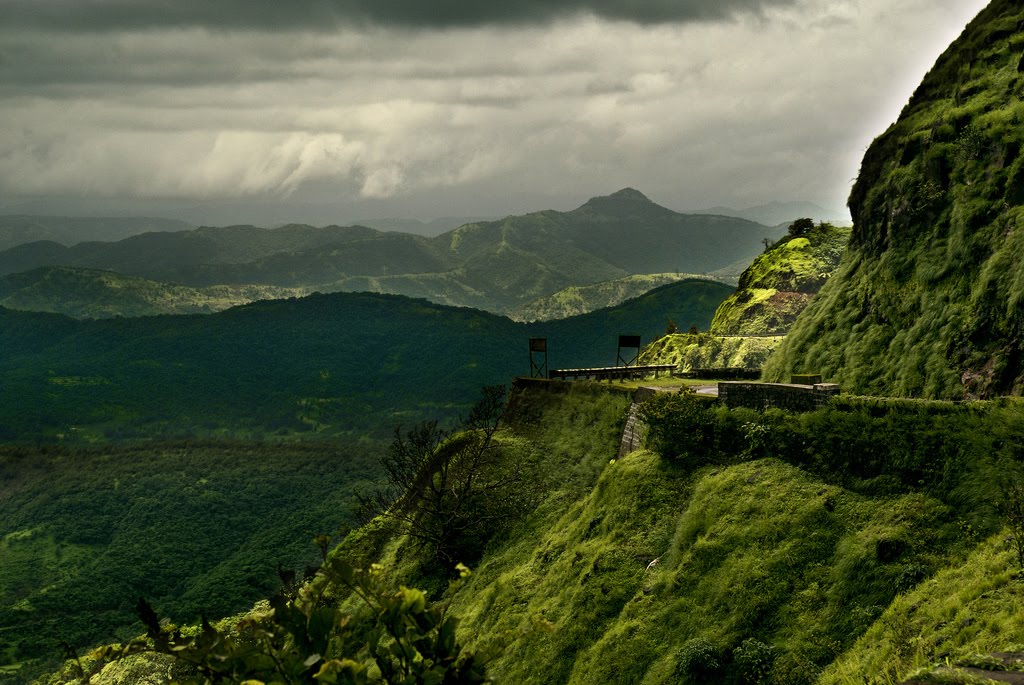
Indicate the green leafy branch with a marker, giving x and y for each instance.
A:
(397, 637)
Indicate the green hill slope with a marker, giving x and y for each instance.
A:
(495, 265)
(88, 293)
(847, 545)
(767, 550)
(926, 301)
(581, 299)
(780, 283)
(752, 322)
(84, 529)
(345, 362)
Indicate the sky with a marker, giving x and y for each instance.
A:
(326, 111)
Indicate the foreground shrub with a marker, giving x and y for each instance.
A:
(393, 637)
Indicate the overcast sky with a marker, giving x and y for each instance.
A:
(331, 110)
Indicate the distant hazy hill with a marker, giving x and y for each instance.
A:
(496, 265)
(775, 213)
(90, 293)
(17, 229)
(430, 228)
(341, 362)
(927, 301)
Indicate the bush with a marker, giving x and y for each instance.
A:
(698, 661)
(753, 659)
(681, 427)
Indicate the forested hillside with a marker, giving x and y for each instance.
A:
(202, 525)
(926, 301)
(345, 363)
(197, 527)
(94, 294)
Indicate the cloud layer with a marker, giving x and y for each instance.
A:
(776, 103)
(328, 15)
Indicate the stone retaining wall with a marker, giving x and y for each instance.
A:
(780, 395)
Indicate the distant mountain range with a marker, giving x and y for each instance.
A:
(18, 229)
(775, 213)
(493, 265)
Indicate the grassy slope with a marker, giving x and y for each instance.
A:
(975, 606)
(926, 302)
(780, 283)
(750, 324)
(707, 351)
(767, 571)
(810, 567)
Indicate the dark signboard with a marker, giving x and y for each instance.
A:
(629, 341)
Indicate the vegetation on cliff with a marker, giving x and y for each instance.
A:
(927, 300)
(689, 351)
(750, 324)
(779, 284)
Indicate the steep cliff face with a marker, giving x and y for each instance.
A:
(780, 283)
(927, 301)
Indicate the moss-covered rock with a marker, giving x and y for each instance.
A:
(780, 283)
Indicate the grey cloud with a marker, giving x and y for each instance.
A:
(458, 121)
(327, 15)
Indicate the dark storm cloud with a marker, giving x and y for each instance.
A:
(102, 15)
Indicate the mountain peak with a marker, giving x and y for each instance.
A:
(625, 201)
(629, 194)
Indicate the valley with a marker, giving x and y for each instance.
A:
(316, 455)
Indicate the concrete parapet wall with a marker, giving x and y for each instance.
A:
(779, 395)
